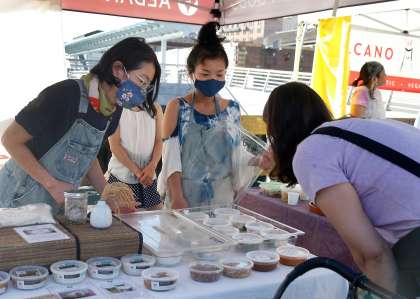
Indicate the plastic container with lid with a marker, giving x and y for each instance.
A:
(237, 267)
(263, 260)
(276, 237)
(205, 271)
(292, 255)
(239, 221)
(92, 195)
(160, 279)
(272, 188)
(135, 264)
(103, 267)
(29, 277)
(4, 280)
(69, 272)
(199, 217)
(217, 222)
(170, 234)
(171, 260)
(208, 254)
(227, 230)
(247, 242)
(257, 227)
(226, 213)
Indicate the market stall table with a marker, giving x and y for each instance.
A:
(320, 237)
(319, 283)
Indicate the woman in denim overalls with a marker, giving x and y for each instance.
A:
(127, 75)
(199, 132)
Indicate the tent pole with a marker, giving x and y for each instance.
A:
(163, 47)
(300, 34)
(335, 7)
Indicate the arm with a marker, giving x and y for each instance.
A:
(121, 154)
(157, 149)
(357, 110)
(148, 172)
(96, 176)
(14, 140)
(341, 205)
(175, 191)
(359, 101)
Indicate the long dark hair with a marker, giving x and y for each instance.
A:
(369, 70)
(291, 113)
(132, 52)
(209, 46)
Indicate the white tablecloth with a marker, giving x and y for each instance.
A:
(316, 284)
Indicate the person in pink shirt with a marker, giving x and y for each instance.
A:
(371, 197)
(366, 100)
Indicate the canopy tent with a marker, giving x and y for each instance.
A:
(238, 11)
(151, 31)
(198, 11)
(188, 11)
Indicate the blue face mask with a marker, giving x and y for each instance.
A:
(129, 95)
(209, 87)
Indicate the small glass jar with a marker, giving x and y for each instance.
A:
(76, 206)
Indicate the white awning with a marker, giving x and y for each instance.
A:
(239, 11)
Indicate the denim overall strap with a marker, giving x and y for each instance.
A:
(206, 159)
(68, 160)
(216, 106)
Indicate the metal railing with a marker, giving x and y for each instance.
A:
(264, 80)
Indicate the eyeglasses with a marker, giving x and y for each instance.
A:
(144, 84)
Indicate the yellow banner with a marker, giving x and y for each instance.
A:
(330, 72)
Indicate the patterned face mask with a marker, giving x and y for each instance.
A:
(130, 95)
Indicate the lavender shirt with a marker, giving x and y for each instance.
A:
(390, 196)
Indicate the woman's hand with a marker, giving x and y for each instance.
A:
(146, 176)
(137, 171)
(57, 188)
(266, 161)
(179, 203)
